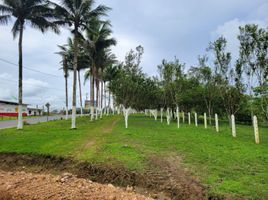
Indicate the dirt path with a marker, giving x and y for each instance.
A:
(90, 142)
(22, 185)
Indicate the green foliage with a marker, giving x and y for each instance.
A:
(130, 87)
(38, 13)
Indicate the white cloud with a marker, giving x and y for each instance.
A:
(230, 30)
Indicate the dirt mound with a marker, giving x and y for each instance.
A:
(21, 185)
(167, 181)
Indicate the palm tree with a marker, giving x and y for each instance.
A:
(77, 14)
(68, 50)
(109, 74)
(38, 14)
(97, 41)
(65, 67)
(109, 59)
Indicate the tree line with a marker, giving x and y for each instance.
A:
(217, 84)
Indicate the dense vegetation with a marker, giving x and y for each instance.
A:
(225, 87)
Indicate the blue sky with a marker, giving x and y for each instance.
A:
(164, 28)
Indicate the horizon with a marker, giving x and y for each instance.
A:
(185, 32)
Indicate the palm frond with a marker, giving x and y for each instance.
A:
(4, 19)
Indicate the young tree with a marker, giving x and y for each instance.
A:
(205, 76)
(226, 77)
(172, 77)
(39, 15)
(253, 61)
(127, 86)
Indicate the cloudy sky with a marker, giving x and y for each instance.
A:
(164, 28)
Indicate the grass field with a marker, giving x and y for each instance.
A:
(5, 118)
(229, 166)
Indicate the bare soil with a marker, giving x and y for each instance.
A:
(167, 180)
(21, 185)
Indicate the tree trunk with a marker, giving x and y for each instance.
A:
(210, 117)
(97, 93)
(80, 94)
(20, 120)
(178, 116)
(66, 96)
(104, 97)
(74, 79)
(92, 96)
(109, 100)
(101, 96)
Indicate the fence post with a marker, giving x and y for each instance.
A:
(256, 130)
(205, 120)
(195, 117)
(233, 126)
(189, 118)
(183, 117)
(216, 123)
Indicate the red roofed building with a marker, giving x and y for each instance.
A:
(10, 109)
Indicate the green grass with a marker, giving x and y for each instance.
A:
(5, 118)
(229, 166)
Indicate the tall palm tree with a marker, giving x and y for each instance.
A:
(65, 67)
(97, 40)
(82, 63)
(109, 59)
(109, 74)
(38, 14)
(77, 14)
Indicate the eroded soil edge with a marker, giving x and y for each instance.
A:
(164, 183)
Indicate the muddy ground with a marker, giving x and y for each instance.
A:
(167, 181)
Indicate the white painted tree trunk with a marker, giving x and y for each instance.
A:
(216, 123)
(118, 110)
(161, 111)
(256, 130)
(178, 116)
(168, 117)
(155, 115)
(205, 120)
(233, 126)
(73, 117)
(183, 117)
(66, 113)
(195, 119)
(189, 118)
(97, 113)
(101, 113)
(113, 111)
(92, 113)
(20, 121)
(126, 114)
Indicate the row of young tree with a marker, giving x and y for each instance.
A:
(225, 87)
(87, 49)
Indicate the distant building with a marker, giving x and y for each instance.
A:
(10, 109)
(35, 111)
(88, 104)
